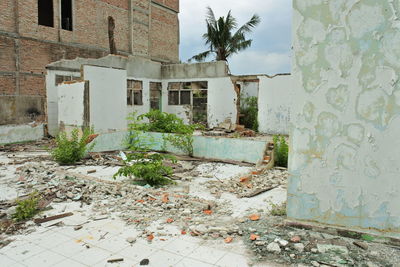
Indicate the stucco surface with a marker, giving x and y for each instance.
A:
(274, 104)
(344, 145)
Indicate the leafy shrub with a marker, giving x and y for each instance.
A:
(147, 167)
(281, 149)
(27, 208)
(249, 110)
(176, 132)
(71, 150)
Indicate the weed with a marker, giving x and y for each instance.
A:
(71, 150)
(27, 208)
(278, 209)
(147, 167)
(174, 130)
(367, 237)
(249, 109)
(281, 149)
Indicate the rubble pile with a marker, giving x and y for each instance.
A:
(271, 239)
(252, 184)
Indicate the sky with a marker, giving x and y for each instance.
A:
(270, 52)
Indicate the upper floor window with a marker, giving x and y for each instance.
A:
(66, 15)
(45, 13)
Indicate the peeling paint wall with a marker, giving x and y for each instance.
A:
(275, 100)
(344, 160)
(108, 96)
(71, 104)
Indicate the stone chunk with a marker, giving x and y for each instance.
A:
(273, 247)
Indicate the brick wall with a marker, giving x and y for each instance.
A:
(26, 47)
(164, 34)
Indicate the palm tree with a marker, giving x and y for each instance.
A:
(220, 39)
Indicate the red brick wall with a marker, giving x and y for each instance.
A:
(32, 85)
(7, 85)
(7, 54)
(26, 48)
(7, 22)
(173, 4)
(164, 34)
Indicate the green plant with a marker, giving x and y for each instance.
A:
(147, 167)
(175, 131)
(27, 208)
(278, 209)
(221, 38)
(281, 151)
(73, 149)
(249, 110)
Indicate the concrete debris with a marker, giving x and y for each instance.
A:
(310, 248)
(251, 184)
(273, 247)
(207, 202)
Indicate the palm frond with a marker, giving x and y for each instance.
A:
(252, 23)
(200, 57)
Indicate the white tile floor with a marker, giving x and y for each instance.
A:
(63, 246)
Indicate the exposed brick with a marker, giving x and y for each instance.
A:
(37, 45)
(118, 3)
(7, 54)
(173, 4)
(32, 85)
(7, 22)
(7, 85)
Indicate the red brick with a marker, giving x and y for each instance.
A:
(7, 54)
(32, 85)
(7, 85)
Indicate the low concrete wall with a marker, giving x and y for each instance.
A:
(242, 150)
(21, 133)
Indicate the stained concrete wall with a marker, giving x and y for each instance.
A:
(52, 98)
(21, 133)
(241, 150)
(275, 100)
(71, 104)
(107, 98)
(344, 160)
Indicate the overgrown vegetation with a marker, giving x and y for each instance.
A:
(149, 167)
(278, 209)
(175, 131)
(281, 151)
(70, 150)
(249, 110)
(27, 208)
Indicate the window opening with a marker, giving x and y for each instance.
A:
(155, 95)
(45, 13)
(135, 92)
(66, 15)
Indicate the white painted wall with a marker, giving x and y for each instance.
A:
(274, 104)
(52, 98)
(344, 159)
(108, 106)
(70, 104)
(221, 101)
